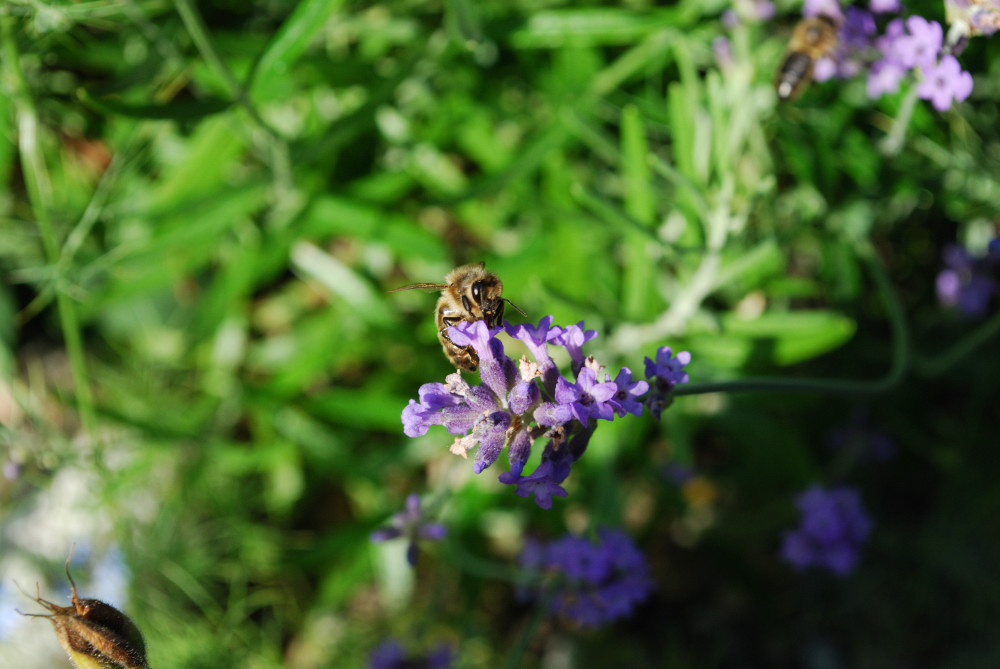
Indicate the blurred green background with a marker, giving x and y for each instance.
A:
(201, 376)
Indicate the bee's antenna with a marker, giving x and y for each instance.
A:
(517, 308)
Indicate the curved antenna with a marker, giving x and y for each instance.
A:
(49, 606)
(420, 286)
(72, 584)
(516, 308)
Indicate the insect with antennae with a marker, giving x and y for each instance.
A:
(469, 294)
(814, 37)
(95, 635)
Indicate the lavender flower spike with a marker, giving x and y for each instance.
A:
(668, 370)
(664, 374)
(410, 524)
(591, 585)
(834, 526)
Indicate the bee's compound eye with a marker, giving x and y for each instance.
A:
(477, 291)
(465, 302)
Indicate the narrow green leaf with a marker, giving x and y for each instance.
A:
(176, 110)
(791, 337)
(291, 41)
(638, 271)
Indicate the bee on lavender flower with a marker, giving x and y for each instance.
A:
(814, 37)
(470, 293)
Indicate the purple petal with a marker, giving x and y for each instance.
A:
(602, 392)
(523, 397)
(550, 414)
(385, 534)
(567, 392)
(411, 554)
(417, 419)
(459, 420)
(436, 396)
(432, 532)
(491, 433)
(519, 450)
(476, 334)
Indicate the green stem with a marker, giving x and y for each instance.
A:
(934, 365)
(39, 191)
(901, 355)
(516, 656)
(473, 564)
(893, 142)
(278, 149)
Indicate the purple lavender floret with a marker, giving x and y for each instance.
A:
(536, 339)
(829, 8)
(627, 393)
(884, 6)
(390, 654)
(668, 369)
(858, 29)
(589, 584)
(411, 525)
(884, 77)
(572, 338)
(586, 397)
(945, 83)
(920, 45)
(664, 374)
(833, 529)
(968, 283)
(543, 483)
(860, 440)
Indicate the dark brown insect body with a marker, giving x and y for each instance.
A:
(814, 38)
(469, 293)
(95, 635)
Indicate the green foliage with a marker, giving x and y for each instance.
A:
(208, 200)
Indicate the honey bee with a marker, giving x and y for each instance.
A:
(470, 294)
(814, 37)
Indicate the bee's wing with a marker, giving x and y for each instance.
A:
(420, 286)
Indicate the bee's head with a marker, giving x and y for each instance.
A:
(486, 298)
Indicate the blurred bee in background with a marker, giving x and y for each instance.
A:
(815, 37)
(469, 294)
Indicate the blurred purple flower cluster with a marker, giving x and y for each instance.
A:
(390, 654)
(977, 17)
(516, 404)
(914, 45)
(861, 441)
(969, 282)
(834, 527)
(411, 525)
(589, 584)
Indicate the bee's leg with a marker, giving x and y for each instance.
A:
(473, 359)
